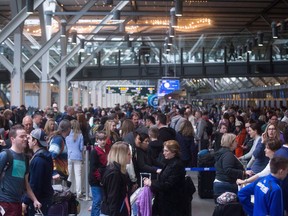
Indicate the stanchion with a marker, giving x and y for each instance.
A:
(87, 151)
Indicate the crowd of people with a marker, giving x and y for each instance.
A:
(125, 141)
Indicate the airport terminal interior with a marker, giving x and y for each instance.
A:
(105, 52)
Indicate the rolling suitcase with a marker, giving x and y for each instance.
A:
(58, 209)
(206, 178)
(228, 209)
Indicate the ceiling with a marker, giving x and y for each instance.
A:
(216, 23)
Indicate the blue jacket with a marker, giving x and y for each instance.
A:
(261, 160)
(267, 197)
(74, 148)
(40, 175)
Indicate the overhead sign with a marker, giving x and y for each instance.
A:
(131, 90)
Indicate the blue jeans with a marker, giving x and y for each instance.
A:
(221, 187)
(97, 194)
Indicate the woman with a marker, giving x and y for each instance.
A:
(240, 132)
(185, 138)
(254, 132)
(75, 145)
(228, 167)
(115, 193)
(272, 145)
(169, 188)
(259, 160)
(84, 127)
(49, 127)
(144, 163)
(112, 136)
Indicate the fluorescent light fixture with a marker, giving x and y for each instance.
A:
(29, 6)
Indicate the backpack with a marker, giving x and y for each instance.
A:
(189, 188)
(8, 163)
(209, 128)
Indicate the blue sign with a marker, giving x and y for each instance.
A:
(153, 100)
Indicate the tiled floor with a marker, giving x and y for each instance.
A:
(200, 207)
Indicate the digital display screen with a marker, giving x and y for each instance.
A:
(166, 86)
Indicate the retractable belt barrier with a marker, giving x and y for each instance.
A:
(200, 169)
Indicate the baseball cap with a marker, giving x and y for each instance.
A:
(40, 135)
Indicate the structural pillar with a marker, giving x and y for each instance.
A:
(76, 95)
(45, 88)
(85, 98)
(63, 83)
(17, 76)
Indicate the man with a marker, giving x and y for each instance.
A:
(27, 123)
(201, 135)
(40, 172)
(165, 132)
(150, 121)
(37, 120)
(139, 127)
(267, 191)
(178, 119)
(15, 180)
(70, 113)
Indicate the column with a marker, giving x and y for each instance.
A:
(63, 83)
(17, 76)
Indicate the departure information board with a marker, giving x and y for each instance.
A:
(131, 90)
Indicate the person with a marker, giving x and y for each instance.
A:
(112, 135)
(15, 180)
(165, 132)
(254, 132)
(228, 167)
(272, 145)
(217, 136)
(75, 146)
(169, 187)
(259, 160)
(240, 132)
(115, 182)
(40, 172)
(185, 138)
(50, 127)
(155, 147)
(267, 191)
(143, 163)
(98, 162)
(58, 150)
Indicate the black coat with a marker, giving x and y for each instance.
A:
(228, 167)
(169, 189)
(115, 191)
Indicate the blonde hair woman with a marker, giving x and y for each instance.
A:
(228, 167)
(112, 135)
(50, 127)
(115, 193)
(75, 145)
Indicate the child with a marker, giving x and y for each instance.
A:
(267, 191)
(98, 162)
(155, 147)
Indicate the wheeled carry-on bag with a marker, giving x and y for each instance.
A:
(58, 209)
(206, 178)
(233, 208)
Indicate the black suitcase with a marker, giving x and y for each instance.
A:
(233, 208)
(206, 178)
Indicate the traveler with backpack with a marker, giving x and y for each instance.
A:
(40, 172)
(15, 179)
(98, 162)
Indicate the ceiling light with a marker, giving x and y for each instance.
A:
(74, 37)
(63, 28)
(173, 18)
(260, 36)
(178, 7)
(82, 41)
(29, 6)
(116, 15)
(274, 30)
(108, 2)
